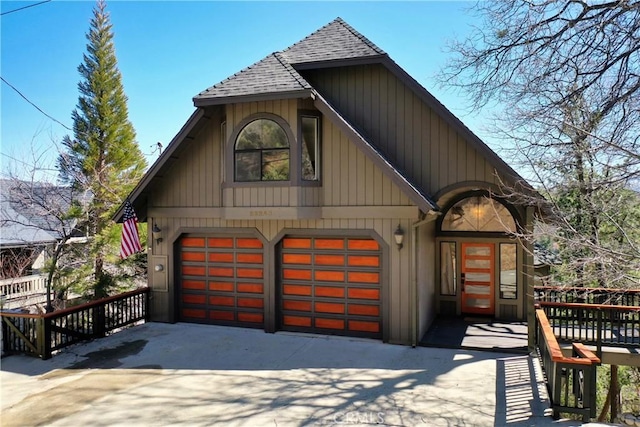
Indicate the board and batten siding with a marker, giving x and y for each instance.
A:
(402, 126)
(195, 178)
(192, 196)
(397, 268)
(348, 176)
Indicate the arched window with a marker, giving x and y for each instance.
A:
(262, 152)
(478, 213)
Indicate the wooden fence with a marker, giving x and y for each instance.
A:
(41, 334)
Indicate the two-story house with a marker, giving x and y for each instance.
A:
(324, 190)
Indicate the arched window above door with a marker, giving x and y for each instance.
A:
(478, 214)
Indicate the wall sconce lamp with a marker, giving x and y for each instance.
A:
(159, 267)
(399, 236)
(157, 233)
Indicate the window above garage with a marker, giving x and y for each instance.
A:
(310, 147)
(262, 152)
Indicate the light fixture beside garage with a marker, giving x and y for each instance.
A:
(157, 233)
(399, 236)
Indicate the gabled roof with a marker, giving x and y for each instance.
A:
(277, 77)
(336, 41)
(266, 79)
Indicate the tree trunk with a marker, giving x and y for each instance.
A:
(615, 393)
(605, 408)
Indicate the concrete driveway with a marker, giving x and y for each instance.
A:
(182, 374)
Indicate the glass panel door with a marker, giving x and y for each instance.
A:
(477, 277)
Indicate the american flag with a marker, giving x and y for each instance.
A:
(130, 243)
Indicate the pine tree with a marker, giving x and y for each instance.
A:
(103, 156)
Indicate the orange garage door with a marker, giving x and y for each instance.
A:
(221, 280)
(330, 285)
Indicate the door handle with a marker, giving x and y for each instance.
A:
(462, 281)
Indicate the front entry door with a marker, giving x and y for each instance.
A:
(477, 278)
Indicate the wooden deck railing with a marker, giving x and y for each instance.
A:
(23, 286)
(41, 334)
(576, 315)
(571, 380)
(582, 295)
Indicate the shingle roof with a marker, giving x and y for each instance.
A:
(28, 212)
(17, 230)
(277, 77)
(335, 41)
(274, 75)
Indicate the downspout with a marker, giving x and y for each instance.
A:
(430, 216)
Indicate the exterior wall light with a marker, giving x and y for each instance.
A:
(399, 236)
(157, 233)
(159, 267)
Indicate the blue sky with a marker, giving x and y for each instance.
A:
(170, 51)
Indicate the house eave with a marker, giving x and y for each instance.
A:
(203, 101)
(18, 244)
(138, 193)
(332, 63)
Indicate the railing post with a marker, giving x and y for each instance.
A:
(43, 337)
(556, 392)
(99, 330)
(592, 389)
(599, 334)
(146, 303)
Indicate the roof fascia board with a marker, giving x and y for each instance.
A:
(205, 102)
(19, 244)
(177, 140)
(363, 60)
(500, 165)
(423, 202)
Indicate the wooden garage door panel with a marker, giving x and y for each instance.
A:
(362, 293)
(330, 285)
(220, 242)
(221, 286)
(222, 280)
(256, 318)
(193, 256)
(221, 257)
(364, 326)
(364, 310)
(296, 243)
(192, 242)
(250, 288)
(297, 321)
(363, 245)
(194, 313)
(328, 243)
(323, 323)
